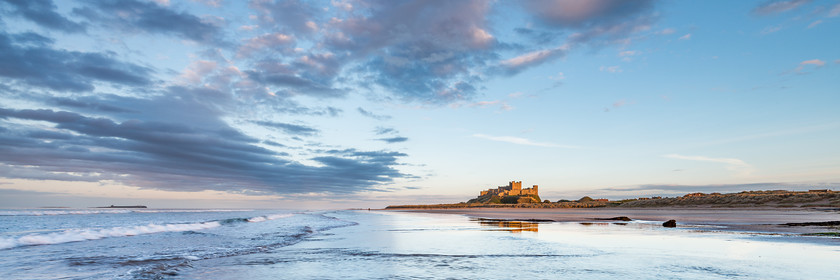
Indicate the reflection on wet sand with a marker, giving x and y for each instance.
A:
(511, 226)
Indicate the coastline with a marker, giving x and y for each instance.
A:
(757, 220)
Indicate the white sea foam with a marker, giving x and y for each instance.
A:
(269, 217)
(74, 235)
(108, 211)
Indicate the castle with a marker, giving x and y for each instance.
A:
(513, 188)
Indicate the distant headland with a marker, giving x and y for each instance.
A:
(123, 206)
(514, 196)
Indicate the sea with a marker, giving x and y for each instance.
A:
(361, 244)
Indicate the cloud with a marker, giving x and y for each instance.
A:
(384, 130)
(293, 84)
(148, 17)
(667, 31)
(732, 164)
(835, 11)
(560, 76)
(266, 43)
(425, 51)
(292, 16)
(393, 139)
(611, 69)
(522, 141)
(29, 59)
(572, 13)
(175, 156)
(372, 115)
(814, 62)
(686, 37)
(504, 106)
(485, 103)
(43, 13)
(814, 24)
(293, 129)
(777, 6)
(520, 63)
(628, 53)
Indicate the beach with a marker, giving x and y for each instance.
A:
(765, 220)
(361, 244)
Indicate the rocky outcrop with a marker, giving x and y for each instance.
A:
(670, 223)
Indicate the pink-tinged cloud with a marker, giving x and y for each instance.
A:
(686, 37)
(815, 62)
(524, 61)
(575, 13)
(484, 103)
(835, 11)
(773, 7)
(611, 69)
(667, 31)
(272, 41)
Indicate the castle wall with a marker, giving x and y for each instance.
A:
(513, 188)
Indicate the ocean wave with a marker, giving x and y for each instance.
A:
(75, 235)
(269, 217)
(109, 211)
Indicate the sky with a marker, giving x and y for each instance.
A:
(340, 103)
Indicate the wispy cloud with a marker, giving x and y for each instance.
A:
(813, 63)
(732, 164)
(391, 140)
(370, 114)
(523, 141)
(686, 37)
(667, 31)
(771, 29)
(774, 7)
(611, 69)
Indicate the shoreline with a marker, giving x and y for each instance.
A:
(757, 220)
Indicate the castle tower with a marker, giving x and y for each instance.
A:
(515, 185)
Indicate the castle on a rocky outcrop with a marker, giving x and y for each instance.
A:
(513, 188)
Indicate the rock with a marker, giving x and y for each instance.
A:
(670, 223)
(825, 224)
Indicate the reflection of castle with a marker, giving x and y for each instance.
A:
(513, 188)
(511, 226)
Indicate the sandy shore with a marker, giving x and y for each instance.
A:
(770, 220)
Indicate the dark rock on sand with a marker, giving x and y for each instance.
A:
(670, 223)
(829, 223)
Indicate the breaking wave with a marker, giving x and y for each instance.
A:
(75, 235)
(109, 211)
(269, 217)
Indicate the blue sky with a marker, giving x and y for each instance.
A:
(329, 104)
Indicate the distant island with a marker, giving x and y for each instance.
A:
(514, 196)
(123, 206)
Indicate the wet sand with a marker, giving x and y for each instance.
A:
(770, 220)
